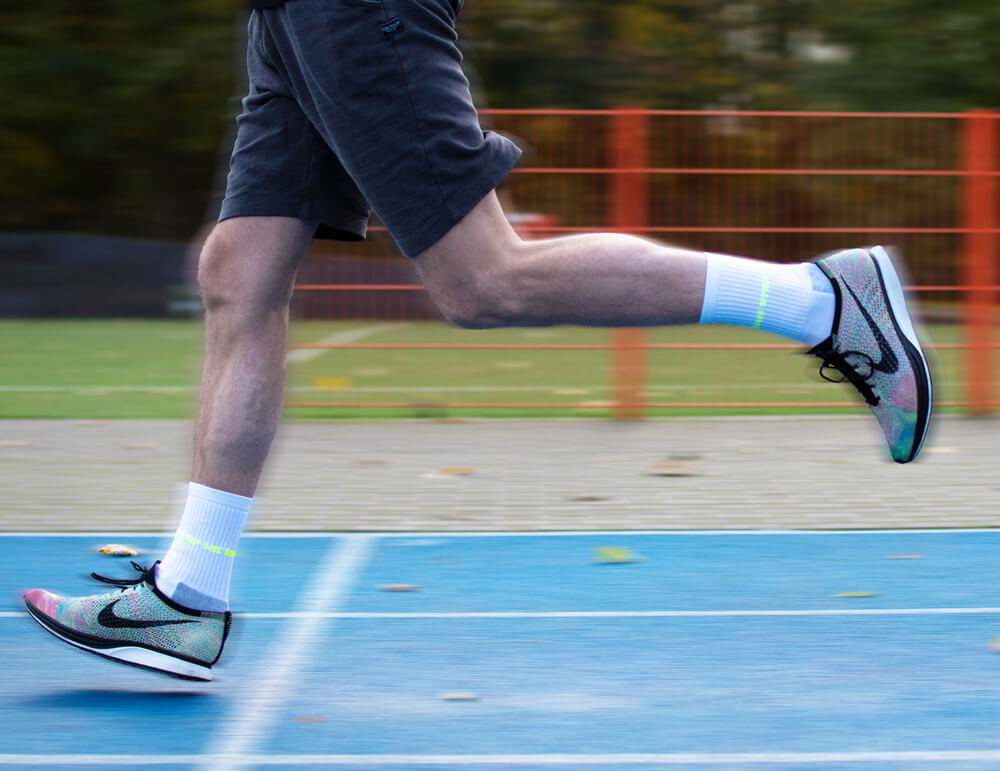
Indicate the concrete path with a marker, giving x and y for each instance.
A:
(790, 472)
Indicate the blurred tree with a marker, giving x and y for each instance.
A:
(858, 54)
(901, 55)
(595, 54)
(112, 112)
(115, 111)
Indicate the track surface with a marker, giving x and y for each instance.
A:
(717, 650)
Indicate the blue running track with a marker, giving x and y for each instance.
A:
(712, 650)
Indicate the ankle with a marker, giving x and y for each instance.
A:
(196, 570)
(795, 300)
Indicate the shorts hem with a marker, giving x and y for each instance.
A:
(456, 206)
(349, 228)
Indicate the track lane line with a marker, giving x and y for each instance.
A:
(270, 685)
(513, 614)
(408, 534)
(572, 760)
(500, 614)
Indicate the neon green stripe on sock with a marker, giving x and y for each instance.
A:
(216, 549)
(764, 289)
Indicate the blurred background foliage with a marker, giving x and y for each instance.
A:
(117, 113)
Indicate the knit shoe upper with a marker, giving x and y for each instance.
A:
(874, 346)
(137, 625)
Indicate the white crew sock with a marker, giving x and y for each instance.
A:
(795, 301)
(196, 569)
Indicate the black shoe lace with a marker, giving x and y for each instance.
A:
(145, 574)
(858, 371)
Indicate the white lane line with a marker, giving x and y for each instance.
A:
(502, 614)
(572, 760)
(445, 534)
(300, 355)
(99, 761)
(274, 681)
(644, 613)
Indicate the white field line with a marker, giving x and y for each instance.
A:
(60, 389)
(526, 614)
(273, 682)
(595, 388)
(572, 760)
(300, 355)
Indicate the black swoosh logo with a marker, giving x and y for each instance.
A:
(888, 364)
(108, 619)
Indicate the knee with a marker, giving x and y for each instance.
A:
(233, 285)
(483, 294)
(478, 300)
(465, 305)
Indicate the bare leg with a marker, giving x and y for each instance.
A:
(481, 274)
(246, 274)
(608, 279)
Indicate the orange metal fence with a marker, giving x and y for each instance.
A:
(776, 185)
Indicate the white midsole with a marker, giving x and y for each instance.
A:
(142, 657)
(897, 303)
(894, 288)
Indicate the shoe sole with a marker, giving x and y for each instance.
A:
(144, 658)
(893, 290)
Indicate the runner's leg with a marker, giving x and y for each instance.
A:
(482, 274)
(245, 273)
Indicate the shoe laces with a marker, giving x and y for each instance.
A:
(858, 371)
(145, 576)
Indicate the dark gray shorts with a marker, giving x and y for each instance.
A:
(357, 105)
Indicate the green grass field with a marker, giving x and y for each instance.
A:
(150, 369)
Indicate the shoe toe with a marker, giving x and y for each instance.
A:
(43, 601)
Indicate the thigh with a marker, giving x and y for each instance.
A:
(382, 82)
(280, 165)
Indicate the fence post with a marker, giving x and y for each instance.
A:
(629, 209)
(980, 155)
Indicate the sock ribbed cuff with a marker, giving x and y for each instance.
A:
(784, 299)
(196, 570)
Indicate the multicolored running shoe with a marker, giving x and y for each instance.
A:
(874, 346)
(137, 625)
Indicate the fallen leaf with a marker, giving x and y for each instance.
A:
(615, 555)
